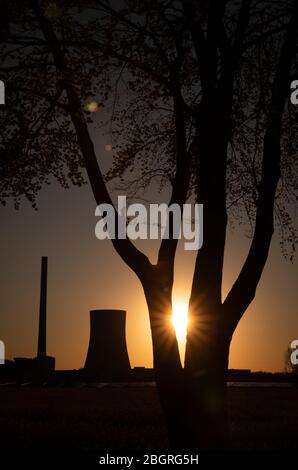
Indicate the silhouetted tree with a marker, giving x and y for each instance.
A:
(197, 94)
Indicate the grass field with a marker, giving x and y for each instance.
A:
(130, 418)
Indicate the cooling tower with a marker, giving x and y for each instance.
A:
(107, 357)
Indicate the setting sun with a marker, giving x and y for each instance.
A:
(179, 318)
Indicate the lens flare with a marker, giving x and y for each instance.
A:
(180, 319)
(53, 11)
(91, 107)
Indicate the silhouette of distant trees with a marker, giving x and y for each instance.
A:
(196, 93)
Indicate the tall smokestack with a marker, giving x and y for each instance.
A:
(107, 357)
(42, 334)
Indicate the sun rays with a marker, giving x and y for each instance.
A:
(180, 319)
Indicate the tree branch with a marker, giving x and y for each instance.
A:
(199, 41)
(181, 181)
(243, 291)
(135, 259)
(230, 54)
(16, 68)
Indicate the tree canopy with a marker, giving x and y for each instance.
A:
(144, 64)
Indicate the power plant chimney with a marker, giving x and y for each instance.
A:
(39, 368)
(42, 333)
(44, 364)
(107, 358)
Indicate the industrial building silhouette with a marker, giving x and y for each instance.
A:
(38, 368)
(107, 358)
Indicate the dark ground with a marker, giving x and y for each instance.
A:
(129, 418)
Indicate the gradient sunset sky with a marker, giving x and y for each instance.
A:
(85, 274)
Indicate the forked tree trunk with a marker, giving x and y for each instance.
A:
(193, 399)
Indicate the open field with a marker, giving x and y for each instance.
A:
(129, 418)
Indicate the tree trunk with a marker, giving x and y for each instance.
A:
(193, 400)
(206, 368)
(166, 359)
